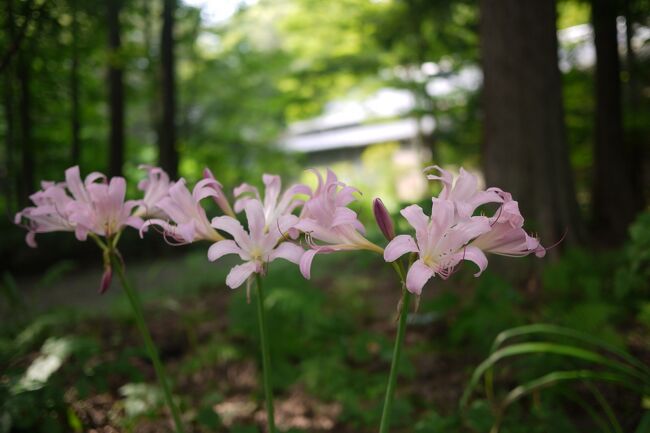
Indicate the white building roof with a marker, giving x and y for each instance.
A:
(358, 135)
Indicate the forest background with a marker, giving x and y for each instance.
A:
(114, 84)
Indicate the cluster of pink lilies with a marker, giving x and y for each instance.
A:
(275, 221)
(295, 224)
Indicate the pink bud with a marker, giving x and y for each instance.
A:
(384, 221)
(106, 280)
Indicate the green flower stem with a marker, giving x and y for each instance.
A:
(266, 357)
(136, 305)
(397, 352)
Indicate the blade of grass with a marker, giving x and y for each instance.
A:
(546, 348)
(565, 376)
(541, 328)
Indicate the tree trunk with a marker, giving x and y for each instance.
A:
(25, 119)
(525, 150)
(167, 139)
(8, 178)
(74, 89)
(616, 197)
(115, 90)
(151, 73)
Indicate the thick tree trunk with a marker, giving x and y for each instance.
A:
(75, 125)
(616, 196)
(8, 178)
(115, 91)
(25, 119)
(525, 150)
(167, 138)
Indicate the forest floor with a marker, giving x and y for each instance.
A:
(331, 344)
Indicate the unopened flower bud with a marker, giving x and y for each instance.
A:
(384, 221)
(107, 277)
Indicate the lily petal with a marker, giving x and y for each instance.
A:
(222, 248)
(239, 274)
(288, 251)
(399, 246)
(417, 277)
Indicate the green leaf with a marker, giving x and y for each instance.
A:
(548, 348)
(542, 328)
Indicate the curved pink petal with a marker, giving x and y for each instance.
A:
(463, 232)
(473, 254)
(93, 177)
(134, 221)
(466, 185)
(346, 195)
(445, 177)
(239, 274)
(30, 239)
(206, 188)
(288, 251)
(256, 221)
(299, 189)
(417, 277)
(234, 228)
(81, 233)
(116, 192)
(344, 215)
(399, 246)
(74, 184)
(272, 184)
(305, 263)
(244, 188)
(186, 231)
(222, 248)
(416, 218)
(285, 227)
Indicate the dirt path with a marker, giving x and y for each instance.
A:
(78, 286)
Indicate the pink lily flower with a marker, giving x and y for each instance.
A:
(463, 191)
(326, 218)
(441, 242)
(49, 213)
(190, 223)
(155, 188)
(275, 206)
(106, 213)
(258, 246)
(83, 207)
(507, 236)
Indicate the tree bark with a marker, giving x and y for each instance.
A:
(525, 149)
(168, 153)
(75, 125)
(25, 120)
(115, 90)
(616, 197)
(8, 177)
(152, 71)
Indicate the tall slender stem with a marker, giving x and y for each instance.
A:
(266, 357)
(397, 352)
(136, 305)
